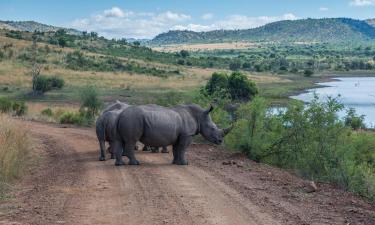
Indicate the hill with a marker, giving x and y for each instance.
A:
(371, 22)
(330, 30)
(32, 26)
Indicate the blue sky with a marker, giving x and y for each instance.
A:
(147, 18)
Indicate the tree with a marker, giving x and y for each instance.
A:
(62, 42)
(184, 53)
(217, 83)
(235, 65)
(240, 87)
(308, 73)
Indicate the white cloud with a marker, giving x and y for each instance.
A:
(362, 2)
(323, 9)
(114, 12)
(172, 17)
(207, 16)
(119, 23)
(246, 22)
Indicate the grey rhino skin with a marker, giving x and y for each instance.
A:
(106, 127)
(160, 126)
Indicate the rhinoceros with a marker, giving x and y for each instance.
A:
(160, 126)
(106, 127)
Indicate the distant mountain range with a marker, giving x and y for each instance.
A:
(330, 30)
(32, 26)
(371, 22)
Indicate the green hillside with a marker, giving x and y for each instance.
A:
(307, 30)
(32, 26)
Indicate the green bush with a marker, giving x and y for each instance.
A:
(43, 83)
(217, 83)
(235, 65)
(312, 140)
(5, 105)
(90, 102)
(56, 82)
(71, 118)
(308, 73)
(237, 86)
(240, 87)
(19, 108)
(47, 112)
(353, 120)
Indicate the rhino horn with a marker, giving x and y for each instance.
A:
(227, 130)
(209, 110)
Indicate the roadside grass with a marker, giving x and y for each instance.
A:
(15, 151)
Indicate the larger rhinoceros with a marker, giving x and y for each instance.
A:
(160, 126)
(106, 126)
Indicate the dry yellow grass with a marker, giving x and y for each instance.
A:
(15, 148)
(35, 110)
(205, 47)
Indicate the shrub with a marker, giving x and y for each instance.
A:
(353, 120)
(15, 148)
(19, 108)
(57, 82)
(43, 83)
(90, 102)
(184, 53)
(47, 112)
(308, 73)
(71, 118)
(235, 65)
(311, 140)
(217, 83)
(240, 87)
(5, 105)
(181, 62)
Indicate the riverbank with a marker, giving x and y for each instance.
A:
(279, 93)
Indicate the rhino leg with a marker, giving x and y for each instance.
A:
(181, 147)
(164, 149)
(110, 150)
(175, 155)
(117, 148)
(102, 150)
(129, 149)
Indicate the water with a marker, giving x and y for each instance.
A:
(355, 92)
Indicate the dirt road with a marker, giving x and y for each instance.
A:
(70, 186)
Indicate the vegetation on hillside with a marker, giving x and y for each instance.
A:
(328, 30)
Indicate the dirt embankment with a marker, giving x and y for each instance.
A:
(72, 187)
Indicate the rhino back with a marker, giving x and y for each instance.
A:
(115, 106)
(155, 125)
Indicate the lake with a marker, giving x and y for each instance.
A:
(356, 92)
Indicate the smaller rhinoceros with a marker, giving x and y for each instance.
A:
(106, 127)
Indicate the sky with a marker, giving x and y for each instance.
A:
(148, 18)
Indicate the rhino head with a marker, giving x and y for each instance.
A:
(209, 130)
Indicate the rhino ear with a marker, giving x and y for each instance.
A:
(207, 111)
